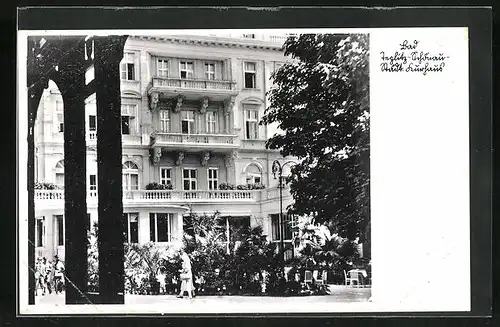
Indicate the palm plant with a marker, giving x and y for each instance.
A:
(144, 260)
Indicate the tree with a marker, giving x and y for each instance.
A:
(320, 103)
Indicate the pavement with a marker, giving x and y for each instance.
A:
(338, 294)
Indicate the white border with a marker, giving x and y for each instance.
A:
(449, 237)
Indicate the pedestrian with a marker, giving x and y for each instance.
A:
(58, 275)
(46, 277)
(38, 283)
(186, 276)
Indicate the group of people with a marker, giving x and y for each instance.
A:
(49, 276)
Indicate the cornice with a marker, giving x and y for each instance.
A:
(212, 41)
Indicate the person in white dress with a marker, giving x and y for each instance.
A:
(186, 276)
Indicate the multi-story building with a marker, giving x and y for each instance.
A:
(191, 107)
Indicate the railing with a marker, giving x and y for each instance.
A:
(197, 84)
(195, 138)
(170, 195)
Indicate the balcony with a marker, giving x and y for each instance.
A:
(193, 89)
(179, 141)
(52, 198)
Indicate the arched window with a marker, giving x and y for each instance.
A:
(59, 171)
(130, 173)
(253, 174)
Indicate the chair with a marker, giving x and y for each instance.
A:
(324, 277)
(315, 276)
(308, 278)
(352, 276)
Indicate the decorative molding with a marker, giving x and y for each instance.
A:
(205, 157)
(210, 41)
(180, 158)
(154, 97)
(178, 105)
(204, 105)
(255, 163)
(92, 148)
(230, 157)
(228, 105)
(155, 155)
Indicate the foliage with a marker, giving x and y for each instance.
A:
(226, 186)
(158, 186)
(93, 259)
(251, 186)
(47, 186)
(320, 102)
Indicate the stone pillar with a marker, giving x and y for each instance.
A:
(71, 83)
(34, 95)
(108, 54)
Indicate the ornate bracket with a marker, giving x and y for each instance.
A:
(228, 105)
(205, 157)
(180, 158)
(229, 160)
(156, 155)
(153, 100)
(204, 105)
(178, 105)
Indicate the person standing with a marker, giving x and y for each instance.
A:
(58, 275)
(186, 276)
(46, 278)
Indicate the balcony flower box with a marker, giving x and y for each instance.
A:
(157, 186)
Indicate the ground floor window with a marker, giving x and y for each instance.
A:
(132, 227)
(40, 232)
(161, 227)
(234, 227)
(60, 229)
(288, 224)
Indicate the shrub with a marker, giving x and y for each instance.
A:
(158, 186)
(226, 186)
(47, 186)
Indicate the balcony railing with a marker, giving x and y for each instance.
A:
(179, 138)
(165, 195)
(196, 84)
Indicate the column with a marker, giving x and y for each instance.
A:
(71, 83)
(108, 54)
(180, 226)
(34, 95)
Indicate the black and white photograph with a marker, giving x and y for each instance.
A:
(243, 171)
(243, 165)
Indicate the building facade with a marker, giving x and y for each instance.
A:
(191, 107)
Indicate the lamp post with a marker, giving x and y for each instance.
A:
(277, 168)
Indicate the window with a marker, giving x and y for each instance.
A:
(40, 231)
(251, 124)
(211, 122)
(59, 170)
(132, 230)
(128, 67)
(187, 69)
(253, 174)
(88, 222)
(93, 182)
(164, 121)
(162, 68)
(160, 227)
(250, 75)
(130, 176)
(128, 118)
(213, 178)
(209, 71)
(187, 121)
(60, 229)
(92, 123)
(166, 176)
(189, 179)
(60, 116)
(289, 222)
